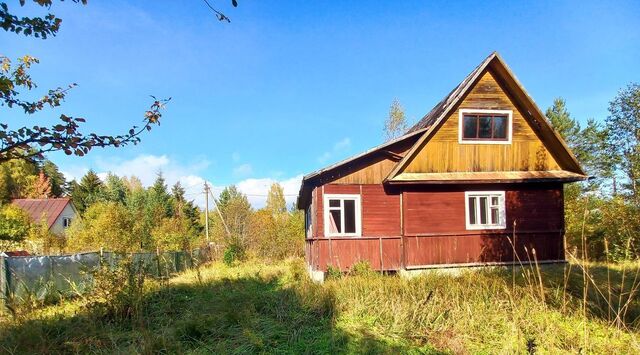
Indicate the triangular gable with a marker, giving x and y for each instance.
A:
(561, 158)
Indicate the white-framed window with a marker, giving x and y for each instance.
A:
(308, 221)
(342, 215)
(66, 222)
(478, 126)
(485, 210)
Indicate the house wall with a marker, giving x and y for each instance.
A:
(67, 212)
(443, 152)
(416, 226)
(435, 228)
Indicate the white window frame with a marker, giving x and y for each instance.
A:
(327, 221)
(502, 217)
(66, 224)
(464, 111)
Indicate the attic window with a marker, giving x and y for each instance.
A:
(485, 126)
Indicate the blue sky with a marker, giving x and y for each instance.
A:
(289, 87)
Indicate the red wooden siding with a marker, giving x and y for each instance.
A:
(482, 248)
(380, 209)
(435, 229)
(342, 253)
(434, 210)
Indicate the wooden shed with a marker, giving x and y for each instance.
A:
(477, 181)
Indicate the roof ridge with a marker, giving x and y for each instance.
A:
(428, 119)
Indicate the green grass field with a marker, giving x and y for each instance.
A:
(273, 308)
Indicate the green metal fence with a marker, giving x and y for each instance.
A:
(37, 277)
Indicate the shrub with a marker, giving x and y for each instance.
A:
(14, 224)
(361, 268)
(234, 252)
(333, 273)
(117, 293)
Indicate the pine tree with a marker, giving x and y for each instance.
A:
(623, 124)
(89, 191)
(177, 192)
(115, 189)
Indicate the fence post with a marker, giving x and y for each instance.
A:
(3, 284)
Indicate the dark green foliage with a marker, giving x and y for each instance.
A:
(600, 217)
(233, 253)
(89, 191)
(623, 125)
(115, 189)
(333, 273)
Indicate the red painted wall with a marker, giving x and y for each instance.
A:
(435, 230)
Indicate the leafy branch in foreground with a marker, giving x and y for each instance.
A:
(33, 141)
(66, 136)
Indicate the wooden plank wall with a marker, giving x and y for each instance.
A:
(430, 210)
(435, 230)
(482, 248)
(443, 153)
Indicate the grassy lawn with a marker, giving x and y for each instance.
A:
(273, 308)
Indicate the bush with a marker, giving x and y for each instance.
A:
(117, 293)
(361, 268)
(333, 273)
(233, 253)
(14, 224)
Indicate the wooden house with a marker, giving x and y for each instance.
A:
(477, 181)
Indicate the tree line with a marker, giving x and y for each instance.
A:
(603, 214)
(120, 214)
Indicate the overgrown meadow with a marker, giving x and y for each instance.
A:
(254, 307)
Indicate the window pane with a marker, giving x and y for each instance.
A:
(494, 200)
(334, 203)
(470, 127)
(472, 210)
(483, 210)
(500, 127)
(349, 216)
(334, 221)
(484, 130)
(495, 215)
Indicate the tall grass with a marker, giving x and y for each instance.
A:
(255, 307)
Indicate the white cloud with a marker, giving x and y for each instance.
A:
(338, 148)
(257, 189)
(243, 170)
(146, 167)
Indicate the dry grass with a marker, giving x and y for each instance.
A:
(266, 308)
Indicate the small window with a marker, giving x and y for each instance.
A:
(308, 222)
(66, 222)
(342, 215)
(485, 210)
(485, 126)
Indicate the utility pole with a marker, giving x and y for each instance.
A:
(206, 210)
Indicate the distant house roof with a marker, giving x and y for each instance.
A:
(37, 207)
(15, 253)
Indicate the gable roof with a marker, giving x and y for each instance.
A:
(37, 207)
(532, 113)
(444, 106)
(424, 129)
